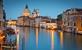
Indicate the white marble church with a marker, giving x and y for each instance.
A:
(29, 19)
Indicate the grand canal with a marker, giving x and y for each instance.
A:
(42, 39)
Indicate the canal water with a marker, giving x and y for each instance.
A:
(42, 39)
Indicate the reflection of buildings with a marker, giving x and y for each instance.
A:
(36, 31)
(34, 20)
(2, 15)
(72, 20)
(26, 32)
(17, 41)
(61, 39)
(79, 42)
(55, 37)
(52, 38)
(23, 37)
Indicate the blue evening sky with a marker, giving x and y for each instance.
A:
(52, 8)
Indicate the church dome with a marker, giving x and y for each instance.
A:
(26, 11)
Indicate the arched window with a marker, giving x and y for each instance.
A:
(0, 23)
(74, 24)
(81, 24)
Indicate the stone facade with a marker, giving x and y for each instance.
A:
(34, 20)
(72, 20)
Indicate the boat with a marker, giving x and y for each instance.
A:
(9, 30)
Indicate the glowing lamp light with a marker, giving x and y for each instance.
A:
(17, 31)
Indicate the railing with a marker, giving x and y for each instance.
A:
(9, 46)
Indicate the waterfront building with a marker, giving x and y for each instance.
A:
(52, 24)
(35, 13)
(44, 20)
(20, 21)
(48, 23)
(34, 20)
(26, 11)
(11, 22)
(72, 20)
(59, 22)
(24, 20)
(37, 21)
(2, 15)
(29, 20)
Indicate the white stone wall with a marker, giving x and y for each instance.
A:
(37, 22)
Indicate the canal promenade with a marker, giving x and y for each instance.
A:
(8, 39)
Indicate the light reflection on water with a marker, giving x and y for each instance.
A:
(36, 31)
(41, 39)
(17, 35)
(52, 39)
(61, 39)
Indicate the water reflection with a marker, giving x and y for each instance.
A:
(79, 41)
(52, 39)
(36, 31)
(17, 36)
(25, 36)
(42, 39)
(56, 39)
(61, 38)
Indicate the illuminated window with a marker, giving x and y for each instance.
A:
(74, 24)
(68, 23)
(81, 23)
(0, 23)
(81, 17)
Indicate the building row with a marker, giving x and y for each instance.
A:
(34, 19)
(71, 20)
